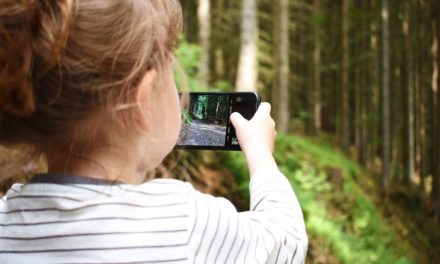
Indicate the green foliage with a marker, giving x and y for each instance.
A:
(346, 219)
(187, 57)
(236, 164)
(223, 86)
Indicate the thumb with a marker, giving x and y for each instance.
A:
(237, 119)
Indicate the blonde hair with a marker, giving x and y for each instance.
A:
(65, 61)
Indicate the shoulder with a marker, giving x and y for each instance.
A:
(168, 184)
(161, 187)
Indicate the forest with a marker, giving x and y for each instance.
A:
(354, 87)
(355, 93)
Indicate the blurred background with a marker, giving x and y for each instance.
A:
(354, 87)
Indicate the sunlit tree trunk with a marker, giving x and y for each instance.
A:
(203, 14)
(385, 98)
(284, 69)
(421, 137)
(436, 115)
(410, 97)
(275, 91)
(247, 66)
(316, 68)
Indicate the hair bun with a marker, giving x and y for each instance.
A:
(32, 37)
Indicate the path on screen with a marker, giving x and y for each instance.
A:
(200, 133)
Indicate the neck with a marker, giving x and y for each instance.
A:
(113, 166)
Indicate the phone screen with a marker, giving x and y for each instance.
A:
(206, 122)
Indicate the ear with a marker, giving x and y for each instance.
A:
(143, 98)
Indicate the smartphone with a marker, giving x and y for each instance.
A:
(206, 124)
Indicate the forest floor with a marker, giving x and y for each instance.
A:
(347, 219)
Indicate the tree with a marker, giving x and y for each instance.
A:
(422, 156)
(284, 68)
(203, 14)
(385, 98)
(247, 66)
(316, 67)
(435, 164)
(410, 97)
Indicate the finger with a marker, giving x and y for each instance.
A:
(263, 110)
(237, 119)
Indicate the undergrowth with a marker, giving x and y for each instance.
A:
(337, 211)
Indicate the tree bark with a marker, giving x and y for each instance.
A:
(363, 93)
(247, 66)
(435, 195)
(317, 125)
(373, 93)
(421, 139)
(275, 92)
(284, 68)
(204, 17)
(409, 174)
(218, 39)
(385, 98)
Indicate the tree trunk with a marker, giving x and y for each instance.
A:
(284, 69)
(275, 91)
(219, 36)
(345, 93)
(363, 93)
(203, 14)
(247, 66)
(410, 97)
(316, 69)
(421, 139)
(372, 93)
(385, 98)
(435, 195)
(357, 94)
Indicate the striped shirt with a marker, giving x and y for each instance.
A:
(73, 219)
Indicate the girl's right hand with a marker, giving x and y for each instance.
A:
(256, 138)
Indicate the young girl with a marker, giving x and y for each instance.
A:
(89, 83)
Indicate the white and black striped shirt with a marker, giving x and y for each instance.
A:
(72, 219)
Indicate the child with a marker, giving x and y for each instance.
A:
(89, 83)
